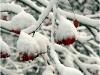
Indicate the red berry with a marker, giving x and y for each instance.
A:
(26, 57)
(53, 72)
(75, 23)
(31, 57)
(15, 31)
(73, 40)
(4, 55)
(4, 18)
(59, 42)
(68, 41)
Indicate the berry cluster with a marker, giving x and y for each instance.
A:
(4, 55)
(15, 31)
(26, 57)
(67, 41)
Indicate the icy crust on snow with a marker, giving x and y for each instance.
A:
(42, 41)
(65, 29)
(22, 20)
(49, 70)
(10, 7)
(27, 44)
(4, 47)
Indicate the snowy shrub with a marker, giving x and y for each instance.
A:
(49, 37)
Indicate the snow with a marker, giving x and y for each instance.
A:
(98, 36)
(27, 44)
(49, 70)
(93, 68)
(91, 50)
(5, 24)
(44, 2)
(61, 68)
(4, 47)
(80, 18)
(2, 14)
(93, 60)
(22, 20)
(42, 41)
(68, 60)
(94, 43)
(41, 17)
(93, 15)
(6, 71)
(10, 7)
(68, 70)
(33, 5)
(83, 37)
(65, 29)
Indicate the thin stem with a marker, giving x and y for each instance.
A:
(13, 63)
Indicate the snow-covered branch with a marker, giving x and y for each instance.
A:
(10, 7)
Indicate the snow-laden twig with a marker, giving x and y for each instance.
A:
(81, 19)
(6, 71)
(91, 50)
(13, 63)
(41, 18)
(10, 7)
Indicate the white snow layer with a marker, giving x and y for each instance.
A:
(83, 37)
(98, 36)
(22, 20)
(5, 24)
(4, 47)
(93, 60)
(42, 41)
(68, 70)
(65, 29)
(6, 71)
(11, 7)
(49, 70)
(27, 44)
(68, 61)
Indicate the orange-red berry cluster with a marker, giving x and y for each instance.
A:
(67, 41)
(15, 31)
(4, 55)
(26, 57)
